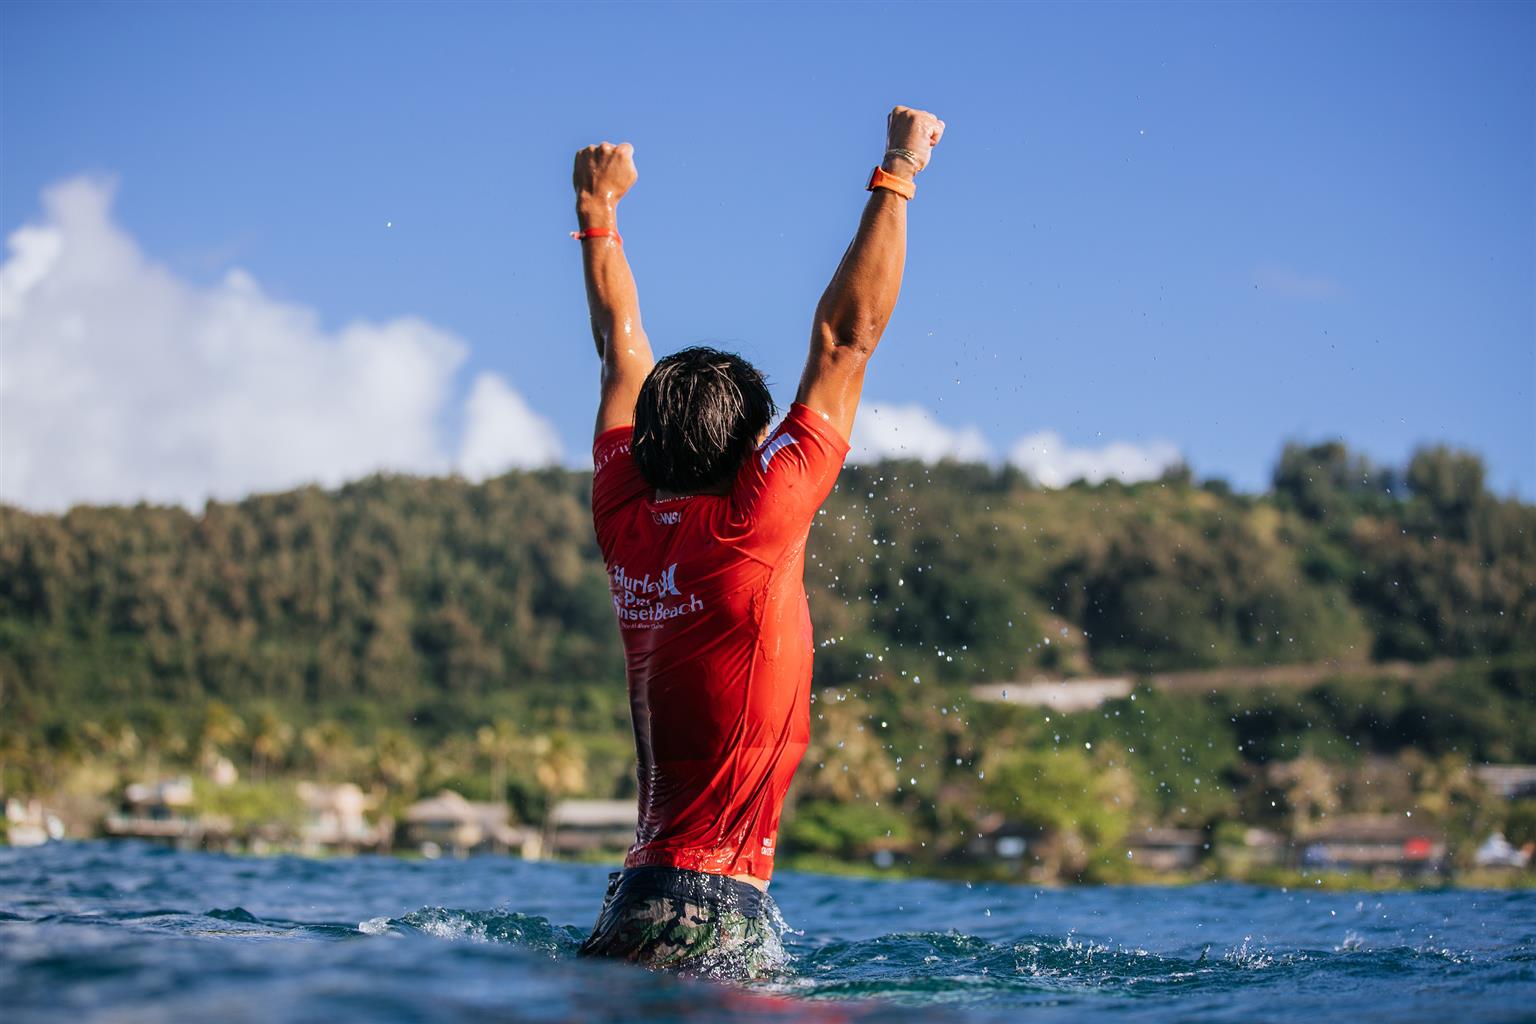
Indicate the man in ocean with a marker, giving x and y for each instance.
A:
(702, 516)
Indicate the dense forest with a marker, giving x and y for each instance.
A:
(401, 590)
(414, 632)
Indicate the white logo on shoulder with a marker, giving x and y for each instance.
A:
(609, 454)
(773, 448)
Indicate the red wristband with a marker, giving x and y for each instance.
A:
(612, 233)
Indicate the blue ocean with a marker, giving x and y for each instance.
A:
(125, 932)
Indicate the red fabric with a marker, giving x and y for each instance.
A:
(710, 596)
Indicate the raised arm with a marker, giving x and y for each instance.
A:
(602, 175)
(857, 305)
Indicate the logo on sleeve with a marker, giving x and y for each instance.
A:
(773, 448)
(608, 454)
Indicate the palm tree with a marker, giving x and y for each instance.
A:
(397, 762)
(331, 749)
(271, 738)
(220, 728)
(498, 742)
(560, 764)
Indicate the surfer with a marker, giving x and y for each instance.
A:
(702, 516)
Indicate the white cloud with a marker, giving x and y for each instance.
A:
(119, 381)
(913, 432)
(1051, 462)
(501, 431)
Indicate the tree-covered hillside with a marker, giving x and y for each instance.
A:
(410, 635)
(401, 591)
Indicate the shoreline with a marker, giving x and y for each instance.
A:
(1283, 880)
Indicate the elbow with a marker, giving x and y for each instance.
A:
(852, 338)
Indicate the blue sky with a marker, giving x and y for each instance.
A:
(1210, 227)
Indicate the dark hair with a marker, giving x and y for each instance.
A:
(699, 413)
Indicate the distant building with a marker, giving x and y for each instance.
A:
(591, 828)
(1498, 852)
(1058, 694)
(1508, 781)
(1256, 848)
(223, 772)
(449, 823)
(1382, 843)
(163, 812)
(1003, 840)
(1166, 849)
(1009, 846)
(29, 823)
(336, 819)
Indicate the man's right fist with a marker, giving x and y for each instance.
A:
(604, 172)
(915, 131)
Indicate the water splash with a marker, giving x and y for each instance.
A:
(528, 931)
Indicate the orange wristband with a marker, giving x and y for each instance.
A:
(903, 187)
(612, 233)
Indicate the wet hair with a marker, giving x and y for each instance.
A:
(699, 414)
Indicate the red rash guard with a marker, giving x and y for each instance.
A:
(710, 596)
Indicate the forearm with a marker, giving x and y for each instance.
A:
(613, 302)
(859, 301)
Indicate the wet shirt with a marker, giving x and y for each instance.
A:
(710, 597)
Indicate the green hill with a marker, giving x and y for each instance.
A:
(398, 590)
(412, 633)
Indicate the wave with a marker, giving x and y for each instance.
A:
(940, 966)
(526, 930)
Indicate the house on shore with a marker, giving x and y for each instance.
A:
(1166, 849)
(591, 828)
(448, 823)
(1378, 843)
(162, 812)
(1498, 852)
(336, 819)
(1000, 839)
(1057, 694)
(1255, 848)
(1508, 781)
(29, 823)
(1008, 847)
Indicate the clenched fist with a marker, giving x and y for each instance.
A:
(914, 131)
(604, 172)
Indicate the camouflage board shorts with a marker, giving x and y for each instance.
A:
(668, 917)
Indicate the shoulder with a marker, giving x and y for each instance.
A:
(808, 431)
(609, 445)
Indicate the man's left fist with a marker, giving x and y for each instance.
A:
(604, 172)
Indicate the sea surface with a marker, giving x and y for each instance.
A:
(126, 932)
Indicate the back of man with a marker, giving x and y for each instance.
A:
(708, 590)
(702, 516)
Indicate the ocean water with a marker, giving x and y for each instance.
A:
(125, 932)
